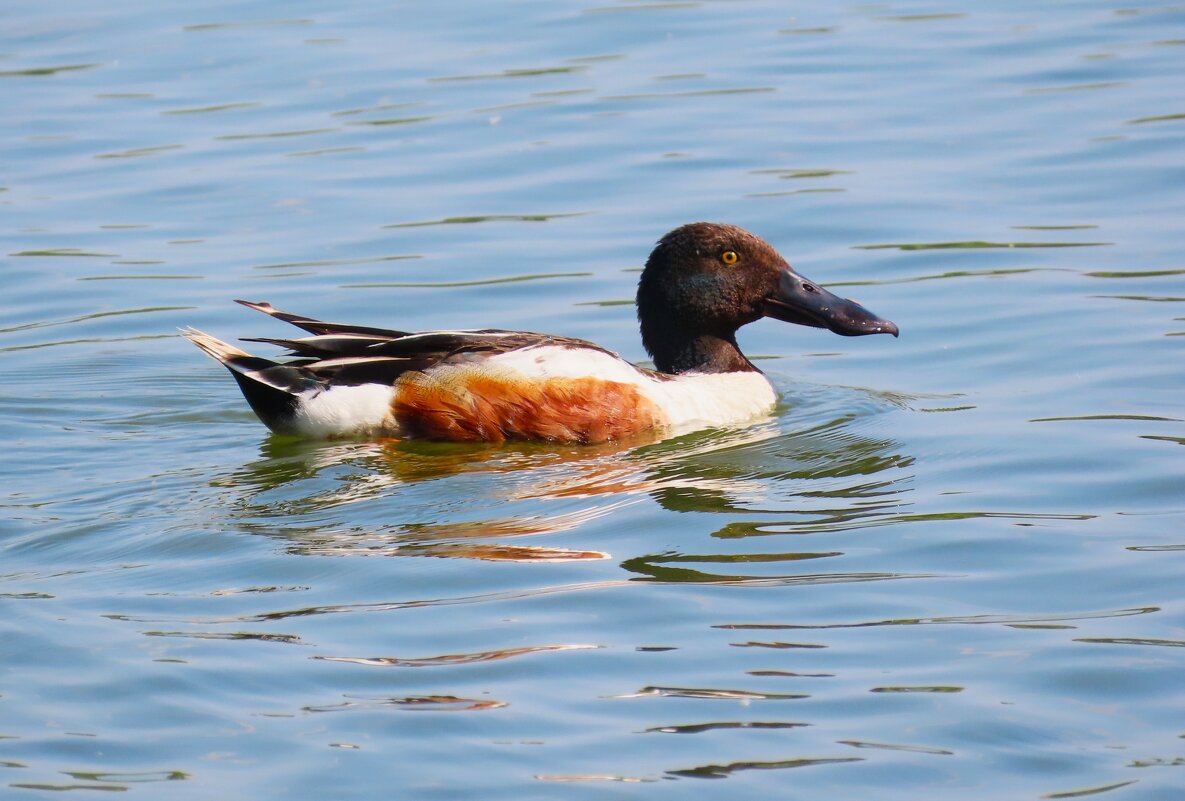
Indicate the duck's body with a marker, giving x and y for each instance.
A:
(701, 283)
(475, 385)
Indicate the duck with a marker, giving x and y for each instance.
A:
(702, 282)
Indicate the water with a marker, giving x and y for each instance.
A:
(947, 566)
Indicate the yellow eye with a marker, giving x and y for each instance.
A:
(729, 257)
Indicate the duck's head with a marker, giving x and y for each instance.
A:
(703, 281)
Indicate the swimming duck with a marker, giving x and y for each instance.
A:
(701, 283)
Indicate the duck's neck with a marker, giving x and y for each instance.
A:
(676, 351)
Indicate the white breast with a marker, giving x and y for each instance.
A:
(699, 400)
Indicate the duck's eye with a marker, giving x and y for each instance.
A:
(729, 257)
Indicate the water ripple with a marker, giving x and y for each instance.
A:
(480, 218)
(413, 703)
(448, 660)
(912, 749)
(711, 694)
(700, 728)
(510, 279)
(726, 770)
(40, 71)
(956, 620)
(979, 245)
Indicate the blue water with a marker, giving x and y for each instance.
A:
(948, 566)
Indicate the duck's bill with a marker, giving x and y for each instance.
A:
(797, 300)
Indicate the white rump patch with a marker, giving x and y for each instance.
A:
(344, 410)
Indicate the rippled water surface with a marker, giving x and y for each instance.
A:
(948, 566)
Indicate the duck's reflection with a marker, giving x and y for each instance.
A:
(398, 498)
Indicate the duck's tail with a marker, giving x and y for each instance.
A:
(272, 389)
(215, 348)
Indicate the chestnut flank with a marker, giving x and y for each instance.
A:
(468, 404)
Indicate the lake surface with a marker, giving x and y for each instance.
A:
(948, 566)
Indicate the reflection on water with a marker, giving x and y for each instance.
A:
(828, 476)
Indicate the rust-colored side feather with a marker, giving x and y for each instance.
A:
(469, 403)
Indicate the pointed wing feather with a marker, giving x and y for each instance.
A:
(318, 326)
(489, 340)
(344, 354)
(365, 370)
(324, 347)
